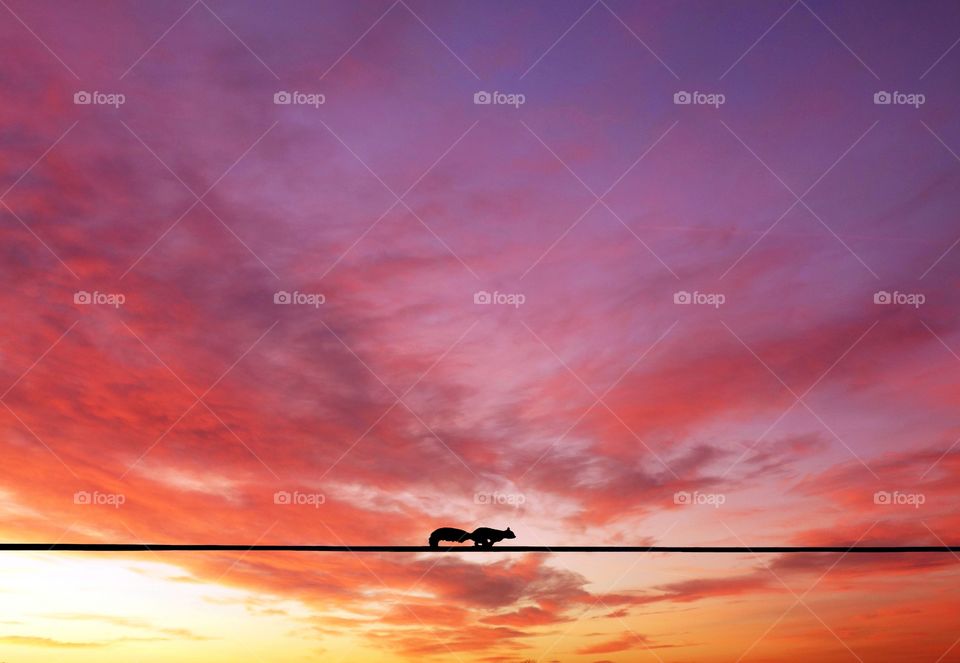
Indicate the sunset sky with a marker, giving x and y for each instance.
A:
(587, 310)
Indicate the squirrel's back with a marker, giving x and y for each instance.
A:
(448, 534)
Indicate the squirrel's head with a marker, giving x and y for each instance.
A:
(508, 534)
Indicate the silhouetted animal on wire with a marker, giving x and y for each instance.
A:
(482, 536)
(486, 536)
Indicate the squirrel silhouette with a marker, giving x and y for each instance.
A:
(483, 537)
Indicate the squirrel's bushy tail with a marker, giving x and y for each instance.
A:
(434, 540)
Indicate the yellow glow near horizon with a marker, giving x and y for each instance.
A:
(74, 608)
